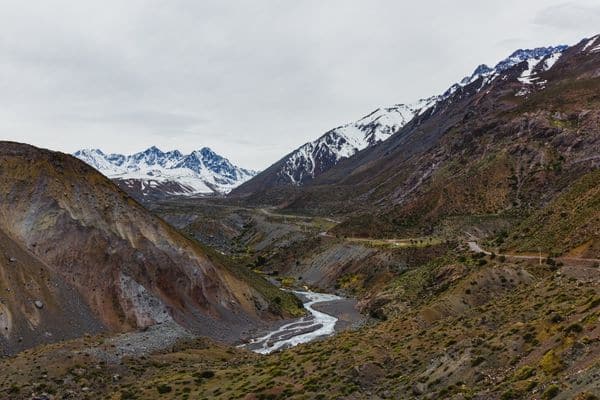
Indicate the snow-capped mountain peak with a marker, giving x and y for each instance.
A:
(533, 57)
(153, 170)
(592, 45)
(521, 55)
(481, 70)
(315, 157)
(344, 141)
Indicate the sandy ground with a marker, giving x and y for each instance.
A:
(346, 312)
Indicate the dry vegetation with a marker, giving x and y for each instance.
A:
(461, 326)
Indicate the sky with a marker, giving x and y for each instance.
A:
(252, 79)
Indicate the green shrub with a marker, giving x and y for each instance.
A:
(556, 318)
(126, 395)
(551, 363)
(207, 374)
(575, 328)
(524, 373)
(509, 395)
(531, 385)
(551, 392)
(162, 388)
(595, 303)
(477, 361)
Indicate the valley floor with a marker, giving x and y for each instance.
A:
(451, 322)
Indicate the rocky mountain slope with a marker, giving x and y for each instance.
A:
(314, 158)
(79, 255)
(154, 173)
(503, 144)
(37, 305)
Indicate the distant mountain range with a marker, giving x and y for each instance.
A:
(153, 172)
(316, 157)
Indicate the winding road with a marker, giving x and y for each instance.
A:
(473, 246)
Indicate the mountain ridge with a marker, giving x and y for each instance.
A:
(314, 158)
(494, 151)
(152, 172)
(502, 144)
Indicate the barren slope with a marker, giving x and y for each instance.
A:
(131, 269)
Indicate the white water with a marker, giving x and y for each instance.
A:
(311, 327)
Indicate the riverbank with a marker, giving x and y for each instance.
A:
(344, 309)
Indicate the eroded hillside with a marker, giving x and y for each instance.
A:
(120, 267)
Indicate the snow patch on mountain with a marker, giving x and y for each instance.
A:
(536, 65)
(200, 172)
(346, 140)
(590, 43)
(342, 142)
(538, 60)
(316, 157)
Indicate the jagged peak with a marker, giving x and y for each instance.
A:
(90, 151)
(152, 150)
(522, 55)
(209, 153)
(174, 153)
(517, 57)
(201, 171)
(206, 150)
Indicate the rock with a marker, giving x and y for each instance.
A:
(560, 116)
(479, 377)
(12, 259)
(368, 374)
(38, 304)
(418, 389)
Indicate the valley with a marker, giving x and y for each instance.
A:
(445, 249)
(451, 320)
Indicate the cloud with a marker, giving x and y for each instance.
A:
(570, 16)
(253, 79)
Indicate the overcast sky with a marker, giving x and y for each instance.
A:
(251, 79)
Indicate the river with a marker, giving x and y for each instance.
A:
(315, 325)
